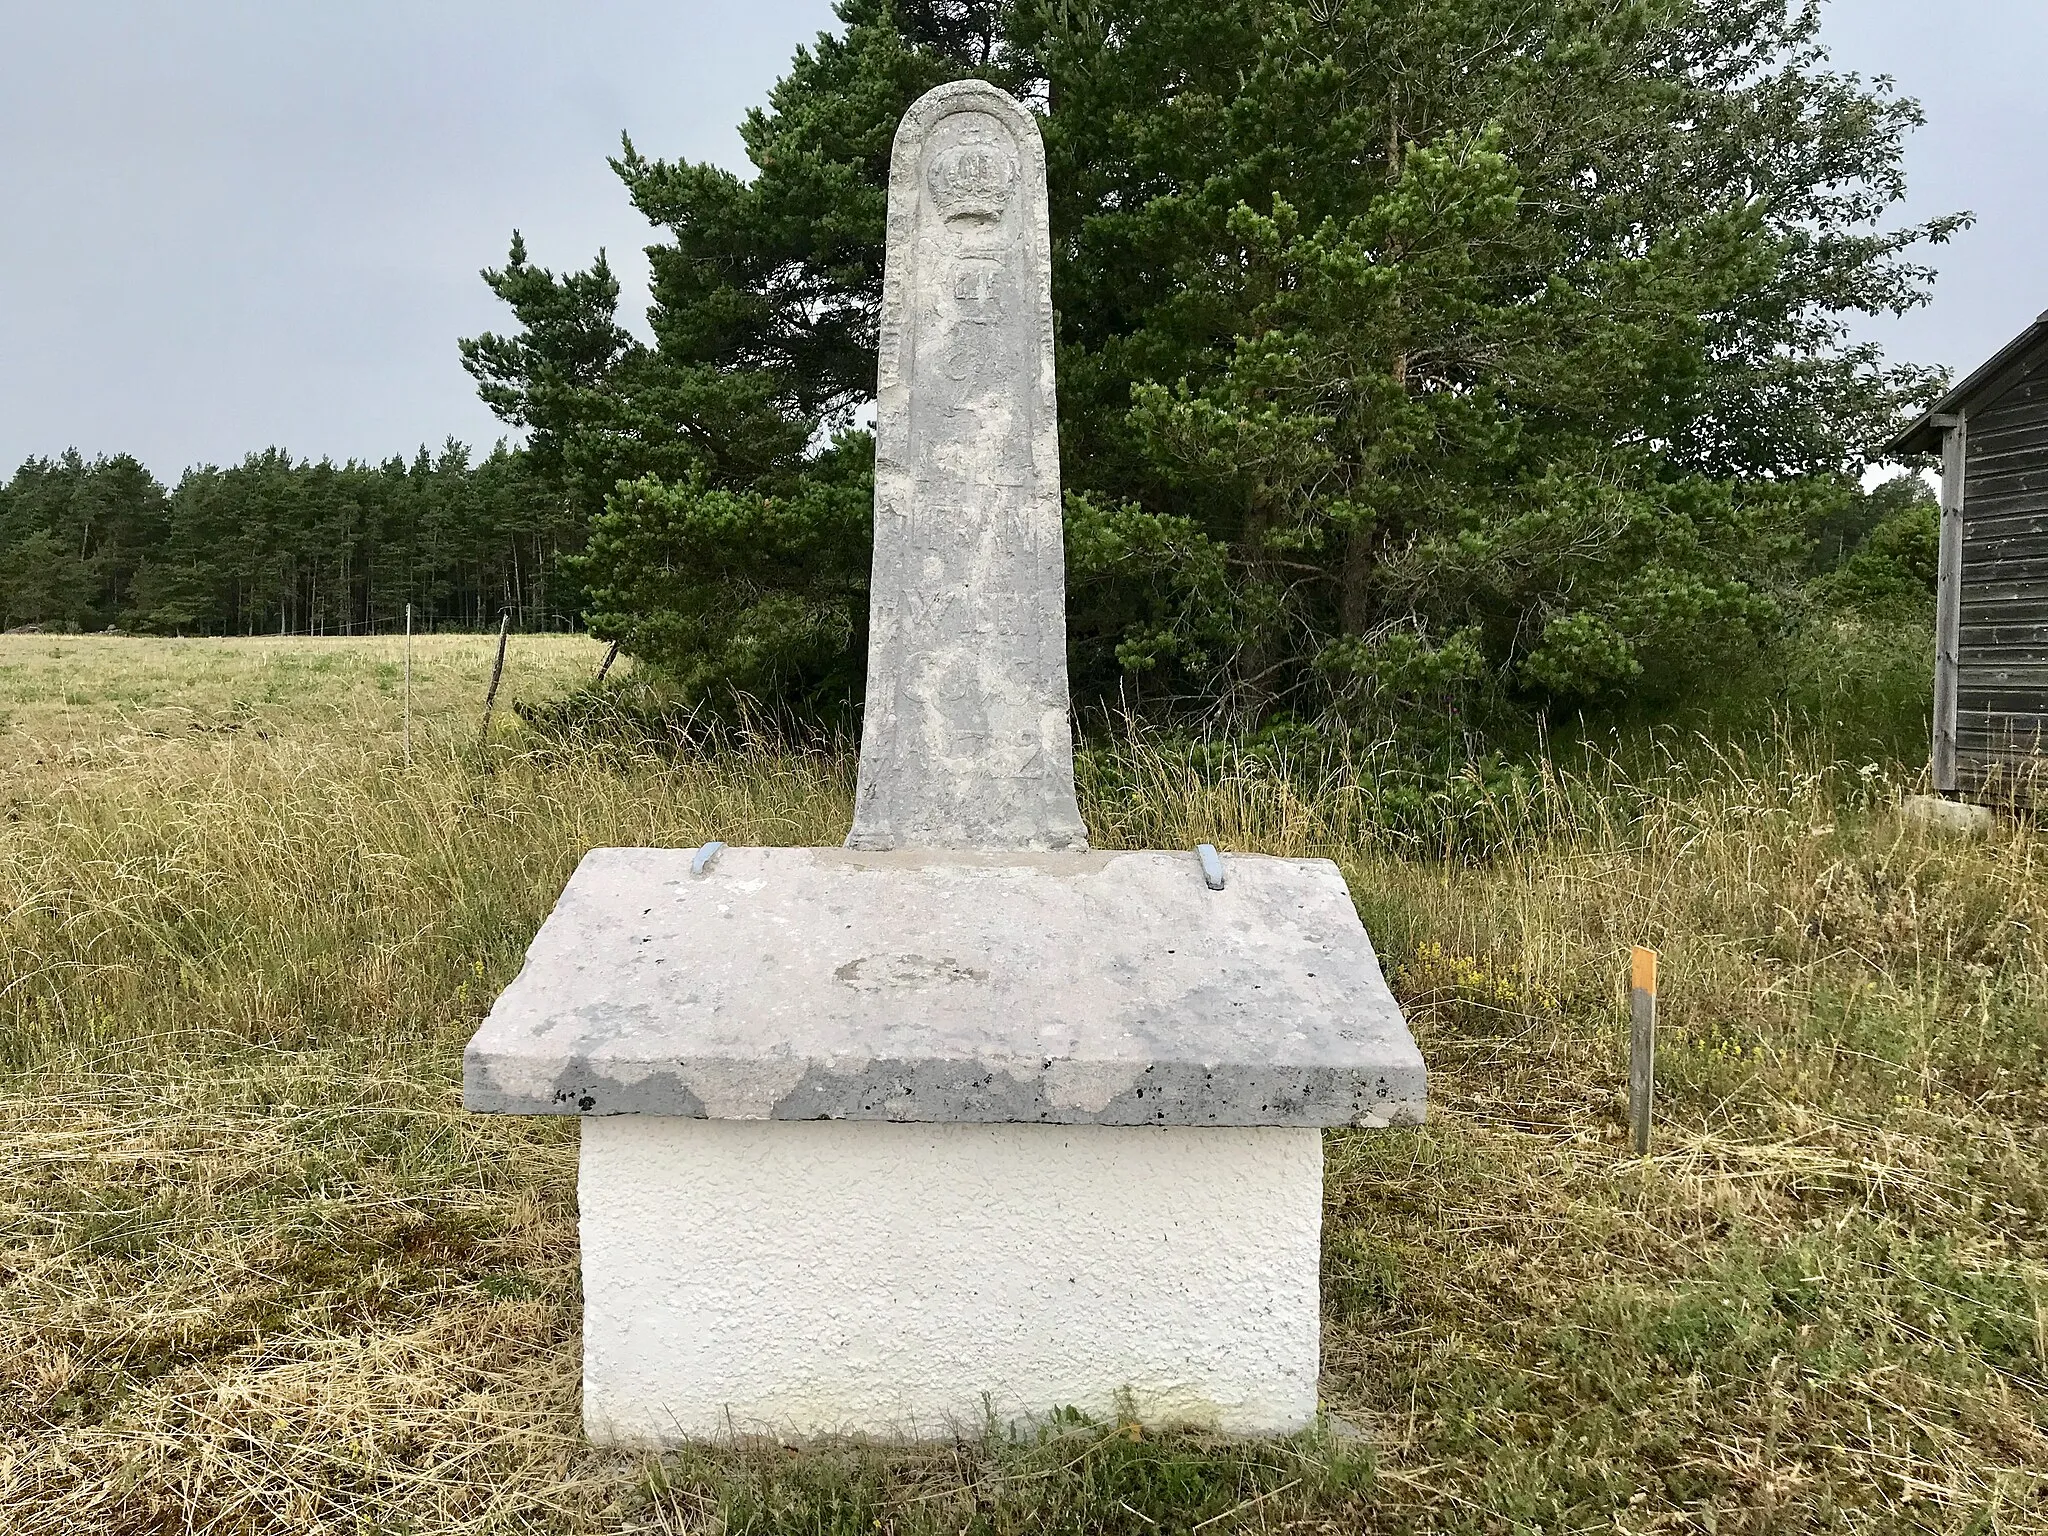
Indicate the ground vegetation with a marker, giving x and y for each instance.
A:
(262, 1274)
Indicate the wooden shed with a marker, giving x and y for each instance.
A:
(1991, 616)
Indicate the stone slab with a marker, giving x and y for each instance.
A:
(914, 1280)
(1956, 818)
(1066, 988)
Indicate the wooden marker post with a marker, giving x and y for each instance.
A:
(1642, 1045)
(497, 675)
(408, 685)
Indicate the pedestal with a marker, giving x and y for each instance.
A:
(812, 1277)
(897, 1142)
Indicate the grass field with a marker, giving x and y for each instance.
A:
(258, 1271)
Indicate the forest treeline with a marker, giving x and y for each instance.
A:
(1430, 370)
(282, 545)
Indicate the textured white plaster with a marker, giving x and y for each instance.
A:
(835, 1276)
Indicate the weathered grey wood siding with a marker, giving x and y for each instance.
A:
(2002, 655)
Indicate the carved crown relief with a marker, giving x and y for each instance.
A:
(972, 170)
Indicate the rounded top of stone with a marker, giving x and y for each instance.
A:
(956, 96)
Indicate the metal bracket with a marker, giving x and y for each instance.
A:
(704, 857)
(1212, 865)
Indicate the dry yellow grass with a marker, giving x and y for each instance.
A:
(258, 1272)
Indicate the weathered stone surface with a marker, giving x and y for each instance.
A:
(966, 741)
(819, 1277)
(1956, 818)
(797, 984)
(961, 1119)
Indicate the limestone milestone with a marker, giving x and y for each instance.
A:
(965, 742)
(962, 1120)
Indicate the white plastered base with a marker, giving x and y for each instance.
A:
(830, 1276)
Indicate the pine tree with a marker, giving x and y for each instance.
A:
(1436, 360)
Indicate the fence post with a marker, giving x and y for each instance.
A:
(408, 685)
(497, 672)
(1642, 1045)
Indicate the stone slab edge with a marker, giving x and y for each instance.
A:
(1387, 1087)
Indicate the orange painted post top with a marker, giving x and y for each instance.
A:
(1643, 970)
(1642, 1045)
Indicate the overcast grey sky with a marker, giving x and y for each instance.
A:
(226, 224)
